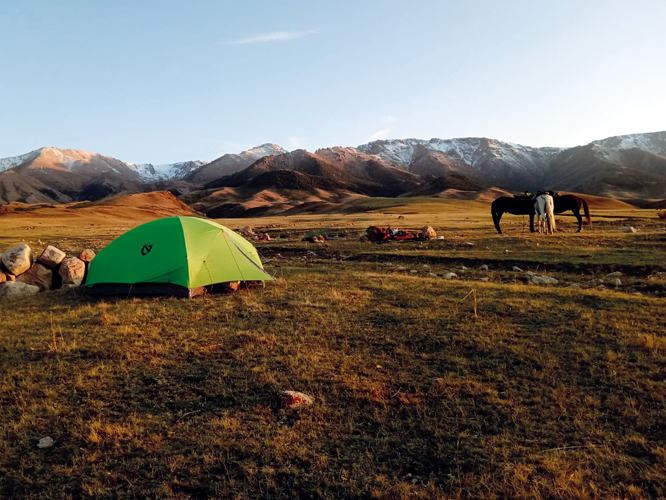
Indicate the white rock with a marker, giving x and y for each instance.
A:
(516, 268)
(628, 229)
(613, 275)
(539, 279)
(45, 442)
(17, 260)
(293, 400)
(72, 271)
(400, 268)
(432, 275)
(414, 271)
(51, 257)
(14, 289)
(484, 267)
(484, 279)
(615, 282)
(448, 276)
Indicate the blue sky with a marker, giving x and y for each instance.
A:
(166, 81)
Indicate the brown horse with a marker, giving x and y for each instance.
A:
(524, 205)
(567, 202)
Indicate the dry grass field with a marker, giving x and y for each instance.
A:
(549, 391)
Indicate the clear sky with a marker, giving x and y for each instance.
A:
(164, 81)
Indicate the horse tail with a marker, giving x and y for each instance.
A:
(587, 212)
(550, 210)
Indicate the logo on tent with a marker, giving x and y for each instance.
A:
(146, 249)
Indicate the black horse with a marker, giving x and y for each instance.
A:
(524, 205)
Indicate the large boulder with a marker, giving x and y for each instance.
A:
(87, 255)
(428, 233)
(13, 289)
(38, 275)
(51, 257)
(72, 271)
(17, 260)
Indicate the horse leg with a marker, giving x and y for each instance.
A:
(497, 216)
(579, 219)
(531, 223)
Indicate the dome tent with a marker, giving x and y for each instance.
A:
(174, 256)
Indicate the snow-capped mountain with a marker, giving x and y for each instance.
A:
(166, 172)
(491, 162)
(625, 167)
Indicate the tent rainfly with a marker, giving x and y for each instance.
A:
(174, 256)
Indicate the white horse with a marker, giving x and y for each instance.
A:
(544, 208)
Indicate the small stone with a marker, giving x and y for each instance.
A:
(484, 279)
(615, 282)
(449, 276)
(469, 243)
(574, 285)
(45, 442)
(400, 268)
(87, 255)
(613, 275)
(539, 279)
(294, 400)
(463, 269)
(484, 267)
(414, 271)
(517, 269)
(432, 275)
(628, 229)
(17, 260)
(600, 287)
(51, 257)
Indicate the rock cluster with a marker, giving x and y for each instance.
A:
(20, 275)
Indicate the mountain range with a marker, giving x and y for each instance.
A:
(629, 167)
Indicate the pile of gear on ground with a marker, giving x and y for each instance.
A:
(375, 234)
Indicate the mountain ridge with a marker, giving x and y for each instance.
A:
(629, 166)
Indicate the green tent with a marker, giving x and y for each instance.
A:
(174, 256)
